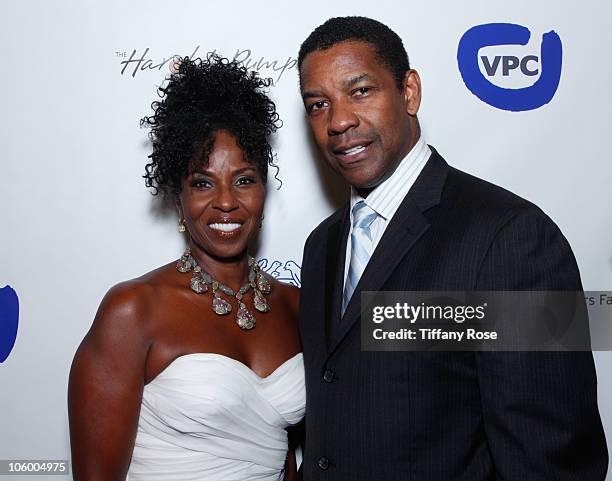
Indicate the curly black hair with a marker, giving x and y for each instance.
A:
(385, 41)
(201, 98)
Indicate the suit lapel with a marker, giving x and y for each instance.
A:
(334, 272)
(406, 227)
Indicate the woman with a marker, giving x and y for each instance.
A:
(194, 371)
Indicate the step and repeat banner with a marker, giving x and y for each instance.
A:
(517, 93)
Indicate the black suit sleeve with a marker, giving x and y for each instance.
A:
(540, 408)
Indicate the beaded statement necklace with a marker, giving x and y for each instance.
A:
(202, 281)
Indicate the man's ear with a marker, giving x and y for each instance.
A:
(411, 87)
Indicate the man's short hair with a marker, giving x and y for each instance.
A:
(386, 42)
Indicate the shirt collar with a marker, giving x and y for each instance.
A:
(386, 197)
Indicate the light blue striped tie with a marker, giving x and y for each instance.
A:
(361, 248)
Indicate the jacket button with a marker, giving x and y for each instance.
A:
(328, 375)
(323, 463)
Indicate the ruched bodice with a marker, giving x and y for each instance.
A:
(209, 417)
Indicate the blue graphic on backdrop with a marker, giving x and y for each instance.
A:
(288, 272)
(515, 100)
(9, 319)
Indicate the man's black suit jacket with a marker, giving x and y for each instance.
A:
(445, 416)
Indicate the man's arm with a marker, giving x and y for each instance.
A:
(540, 408)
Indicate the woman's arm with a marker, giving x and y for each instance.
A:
(106, 384)
(290, 466)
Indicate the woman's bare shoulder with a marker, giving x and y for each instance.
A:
(133, 304)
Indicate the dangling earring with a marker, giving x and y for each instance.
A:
(181, 225)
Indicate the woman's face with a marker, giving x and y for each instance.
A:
(222, 201)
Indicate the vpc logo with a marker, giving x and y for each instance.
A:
(547, 65)
(9, 318)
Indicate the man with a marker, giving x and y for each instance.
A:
(415, 224)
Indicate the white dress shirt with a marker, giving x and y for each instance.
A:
(386, 198)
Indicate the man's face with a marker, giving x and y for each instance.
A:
(362, 123)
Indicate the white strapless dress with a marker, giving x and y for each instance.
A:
(208, 417)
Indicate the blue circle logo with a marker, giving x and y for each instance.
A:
(9, 319)
(547, 65)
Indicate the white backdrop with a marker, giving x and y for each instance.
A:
(76, 217)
